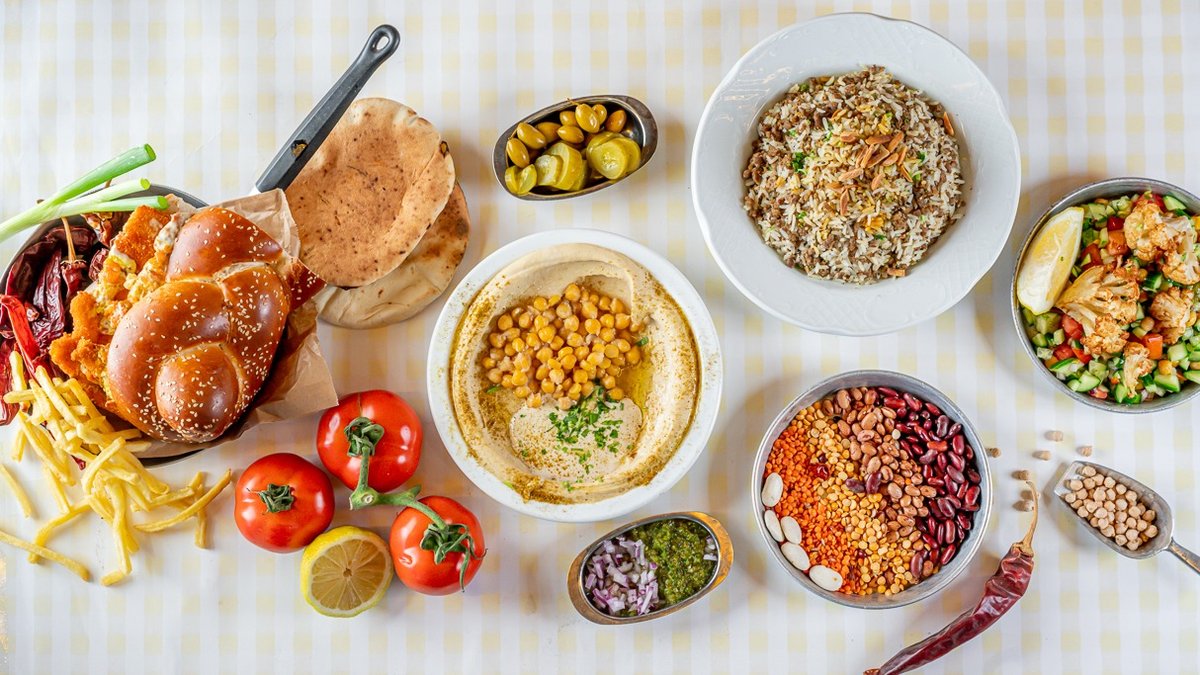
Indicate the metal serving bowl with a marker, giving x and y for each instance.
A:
(640, 122)
(575, 577)
(1109, 188)
(903, 383)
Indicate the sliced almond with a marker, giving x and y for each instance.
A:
(891, 159)
(845, 202)
(876, 140)
(896, 272)
(903, 154)
(864, 156)
(877, 180)
(850, 175)
(880, 155)
(905, 173)
(946, 123)
(848, 137)
(895, 141)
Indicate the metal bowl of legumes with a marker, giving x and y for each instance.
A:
(872, 489)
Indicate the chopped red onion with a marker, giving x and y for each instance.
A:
(620, 578)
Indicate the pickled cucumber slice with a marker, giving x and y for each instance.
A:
(549, 169)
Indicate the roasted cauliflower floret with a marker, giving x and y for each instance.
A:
(1152, 235)
(1172, 312)
(1106, 337)
(1137, 364)
(1104, 301)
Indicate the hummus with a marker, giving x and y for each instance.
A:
(600, 445)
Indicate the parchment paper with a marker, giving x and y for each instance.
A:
(300, 381)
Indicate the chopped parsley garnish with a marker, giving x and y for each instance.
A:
(916, 177)
(643, 341)
(798, 162)
(492, 389)
(791, 132)
(880, 236)
(921, 156)
(587, 419)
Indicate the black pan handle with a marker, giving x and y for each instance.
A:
(300, 147)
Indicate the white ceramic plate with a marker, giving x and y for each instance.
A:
(672, 280)
(835, 44)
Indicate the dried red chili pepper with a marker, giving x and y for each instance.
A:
(1000, 594)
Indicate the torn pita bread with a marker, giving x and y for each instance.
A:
(409, 288)
(370, 192)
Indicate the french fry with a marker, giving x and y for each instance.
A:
(43, 535)
(191, 510)
(201, 535)
(43, 552)
(18, 491)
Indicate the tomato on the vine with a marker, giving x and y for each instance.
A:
(283, 502)
(379, 421)
(437, 545)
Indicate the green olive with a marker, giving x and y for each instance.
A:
(549, 130)
(570, 134)
(601, 113)
(616, 121)
(532, 138)
(567, 118)
(586, 117)
(518, 154)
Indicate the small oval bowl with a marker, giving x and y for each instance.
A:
(640, 122)
(900, 382)
(1111, 187)
(1165, 521)
(575, 577)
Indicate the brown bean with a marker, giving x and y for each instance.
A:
(888, 413)
(843, 399)
(843, 428)
(894, 491)
(905, 520)
(868, 421)
(869, 397)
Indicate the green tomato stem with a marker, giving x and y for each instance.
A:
(277, 498)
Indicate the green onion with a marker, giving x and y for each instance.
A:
(68, 202)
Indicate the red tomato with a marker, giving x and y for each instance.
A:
(1071, 327)
(397, 452)
(1098, 393)
(1083, 356)
(1154, 343)
(1116, 243)
(1115, 223)
(1092, 255)
(415, 553)
(282, 502)
(1158, 200)
(1063, 351)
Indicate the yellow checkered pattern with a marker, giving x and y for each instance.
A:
(1094, 90)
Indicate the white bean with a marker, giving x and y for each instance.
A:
(825, 577)
(795, 555)
(772, 490)
(772, 522)
(791, 529)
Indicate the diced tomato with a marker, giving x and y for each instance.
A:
(1115, 223)
(1092, 255)
(1154, 343)
(1098, 393)
(1116, 243)
(1063, 351)
(1083, 356)
(1071, 327)
(1158, 200)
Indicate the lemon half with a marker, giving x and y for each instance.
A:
(345, 571)
(1048, 261)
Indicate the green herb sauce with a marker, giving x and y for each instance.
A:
(677, 546)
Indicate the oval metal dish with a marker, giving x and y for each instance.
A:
(643, 130)
(589, 611)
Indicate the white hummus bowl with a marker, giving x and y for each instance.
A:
(708, 348)
(842, 43)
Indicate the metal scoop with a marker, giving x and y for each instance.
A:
(1165, 521)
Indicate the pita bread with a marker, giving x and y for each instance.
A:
(370, 192)
(409, 288)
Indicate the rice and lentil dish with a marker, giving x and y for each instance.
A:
(854, 176)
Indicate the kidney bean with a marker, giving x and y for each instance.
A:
(925, 416)
(855, 485)
(947, 532)
(933, 409)
(964, 522)
(939, 446)
(948, 554)
(914, 565)
(887, 391)
(943, 425)
(953, 473)
(970, 507)
(934, 481)
(972, 496)
(911, 401)
(961, 492)
(873, 481)
(954, 429)
(927, 458)
(921, 433)
(972, 475)
(969, 453)
(942, 462)
(954, 503)
(958, 462)
(928, 426)
(894, 403)
(958, 443)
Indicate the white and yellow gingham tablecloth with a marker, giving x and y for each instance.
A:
(1094, 89)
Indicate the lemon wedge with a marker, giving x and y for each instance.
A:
(345, 571)
(1048, 261)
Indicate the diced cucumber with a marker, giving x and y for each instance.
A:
(1140, 332)
(1141, 313)
(1028, 316)
(1096, 367)
(1085, 382)
(1177, 353)
(1047, 323)
(1043, 353)
(1173, 204)
(1039, 340)
(1194, 356)
(1067, 366)
(1193, 375)
(1153, 282)
(1103, 238)
(1120, 392)
(1089, 235)
(1075, 344)
(1121, 205)
(1169, 382)
(1096, 211)
(1058, 337)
